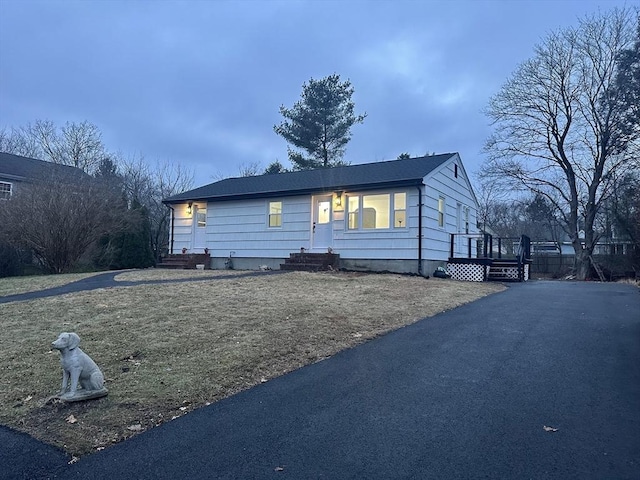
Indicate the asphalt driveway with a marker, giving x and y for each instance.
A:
(465, 394)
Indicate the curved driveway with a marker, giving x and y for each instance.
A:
(464, 394)
(107, 280)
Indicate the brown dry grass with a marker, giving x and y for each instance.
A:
(33, 283)
(168, 349)
(163, 274)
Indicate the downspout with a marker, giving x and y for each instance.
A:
(419, 230)
(171, 229)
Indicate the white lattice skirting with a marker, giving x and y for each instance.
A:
(467, 271)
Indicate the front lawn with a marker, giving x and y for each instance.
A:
(167, 349)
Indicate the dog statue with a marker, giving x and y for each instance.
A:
(78, 369)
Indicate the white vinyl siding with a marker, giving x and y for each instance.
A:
(242, 226)
(443, 183)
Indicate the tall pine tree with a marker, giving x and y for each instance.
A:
(319, 123)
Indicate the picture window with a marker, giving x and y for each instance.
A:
(377, 212)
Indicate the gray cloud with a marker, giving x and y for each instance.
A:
(200, 83)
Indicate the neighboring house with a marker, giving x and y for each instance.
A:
(16, 170)
(385, 216)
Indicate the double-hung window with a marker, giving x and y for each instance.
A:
(354, 212)
(275, 214)
(441, 211)
(399, 210)
(5, 190)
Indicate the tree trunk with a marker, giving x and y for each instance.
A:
(583, 264)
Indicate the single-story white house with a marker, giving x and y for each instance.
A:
(385, 216)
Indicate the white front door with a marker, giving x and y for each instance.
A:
(199, 228)
(321, 230)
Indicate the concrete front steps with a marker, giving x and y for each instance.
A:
(311, 262)
(185, 261)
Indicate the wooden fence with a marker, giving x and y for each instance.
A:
(556, 265)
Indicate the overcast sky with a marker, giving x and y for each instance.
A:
(200, 82)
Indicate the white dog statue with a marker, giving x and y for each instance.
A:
(78, 369)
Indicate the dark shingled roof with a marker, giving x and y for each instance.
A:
(16, 167)
(393, 173)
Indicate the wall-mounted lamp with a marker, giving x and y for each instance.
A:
(189, 205)
(338, 200)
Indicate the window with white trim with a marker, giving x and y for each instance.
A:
(375, 211)
(441, 211)
(399, 210)
(5, 190)
(353, 207)
(275, 214)
(380, 211)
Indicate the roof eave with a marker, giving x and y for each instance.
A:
(304, 191)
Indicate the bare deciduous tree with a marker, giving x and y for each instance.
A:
(148, 186)
(15, 141)
(75, 144)
(58, 218)
(250, 169)
(558, 125)
(129, 189)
